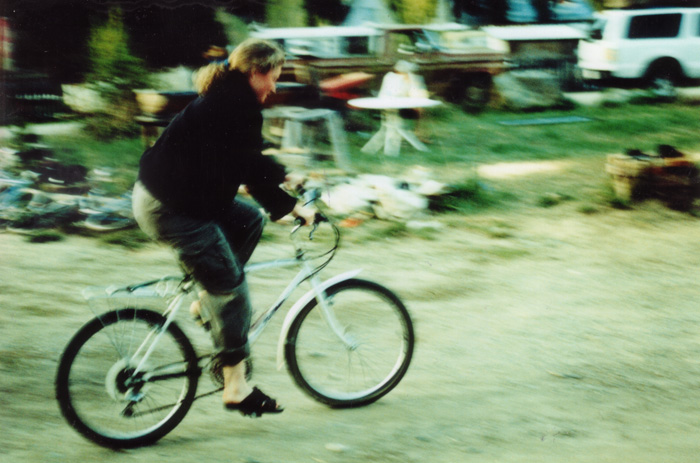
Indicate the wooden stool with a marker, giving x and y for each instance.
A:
(293, 130)
(151, 126)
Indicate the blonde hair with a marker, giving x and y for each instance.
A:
(251, 55)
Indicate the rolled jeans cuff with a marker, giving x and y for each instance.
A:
(231, 315)
(231, 357)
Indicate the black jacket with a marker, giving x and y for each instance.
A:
(209, 150)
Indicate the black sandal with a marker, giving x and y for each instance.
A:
(256, 404)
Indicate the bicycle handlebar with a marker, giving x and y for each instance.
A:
(311, 197)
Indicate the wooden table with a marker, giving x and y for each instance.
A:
(392, 131)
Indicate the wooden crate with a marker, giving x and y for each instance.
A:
(630, 175)
(674, 180)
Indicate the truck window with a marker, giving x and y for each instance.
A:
(358, 45)
(655, 26)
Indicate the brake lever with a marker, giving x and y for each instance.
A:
(298, 223)
(318, 218)
(310, 196)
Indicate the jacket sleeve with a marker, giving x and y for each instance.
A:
(263, 182)
(240, 132)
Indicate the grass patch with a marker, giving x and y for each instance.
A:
(553, 199)
(392, 230)
(501, 253)
(483, 139)
(374, 230)
(44, 236)
(588, 209)
(496, 229)
(379, 230)
(120, 156)
(468, 197)
(619, 203)
(460, 142)
(131, 238)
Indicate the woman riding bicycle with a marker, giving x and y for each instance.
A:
(186, 191)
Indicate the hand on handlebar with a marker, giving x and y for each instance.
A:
(307, 214)
(294, 181)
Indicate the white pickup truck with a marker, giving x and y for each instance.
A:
(659, 45)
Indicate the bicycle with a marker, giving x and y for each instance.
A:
(129, 376)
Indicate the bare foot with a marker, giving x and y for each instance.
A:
(236, 387)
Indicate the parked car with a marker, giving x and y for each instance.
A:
(657, 45)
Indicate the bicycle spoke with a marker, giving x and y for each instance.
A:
(352, 350)
(103, 396)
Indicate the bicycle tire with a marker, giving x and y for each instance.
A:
(370, 362)
(92, 380)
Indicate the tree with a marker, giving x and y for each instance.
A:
(49, 37)
(115, 72)
(326, 11)
(286, 13)
(414, 11)
(170, 37)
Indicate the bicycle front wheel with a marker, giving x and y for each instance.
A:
(353, 347)
(123, 381)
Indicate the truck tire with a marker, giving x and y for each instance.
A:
(473, 92)
(662, 76)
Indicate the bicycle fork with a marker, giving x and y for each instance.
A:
(318, 292)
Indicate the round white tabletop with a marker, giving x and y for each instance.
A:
(392, 103)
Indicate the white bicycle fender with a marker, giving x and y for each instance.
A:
(301, 303)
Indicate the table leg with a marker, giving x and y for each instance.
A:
(392, 142)
(413, 140)
(376, 142)
(338, 140)
(390, 135)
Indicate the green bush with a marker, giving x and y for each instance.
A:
(115, 73)
(44, 236)
(469, 196)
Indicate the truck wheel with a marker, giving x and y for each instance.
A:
(476, 92)
(663, 76)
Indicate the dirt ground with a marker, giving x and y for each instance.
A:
(544, 334)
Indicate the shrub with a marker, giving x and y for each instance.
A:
(115, 73)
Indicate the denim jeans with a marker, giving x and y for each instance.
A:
(214, 253)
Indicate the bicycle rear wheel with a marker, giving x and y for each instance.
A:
(355, 352)
(105, 398)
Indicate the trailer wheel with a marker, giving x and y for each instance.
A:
(472, 92)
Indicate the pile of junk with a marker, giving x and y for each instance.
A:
(667, 174)
(38, 192)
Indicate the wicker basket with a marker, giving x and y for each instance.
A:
(630, 175)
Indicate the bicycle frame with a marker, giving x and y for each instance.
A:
(306, 272)
(317, 291)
